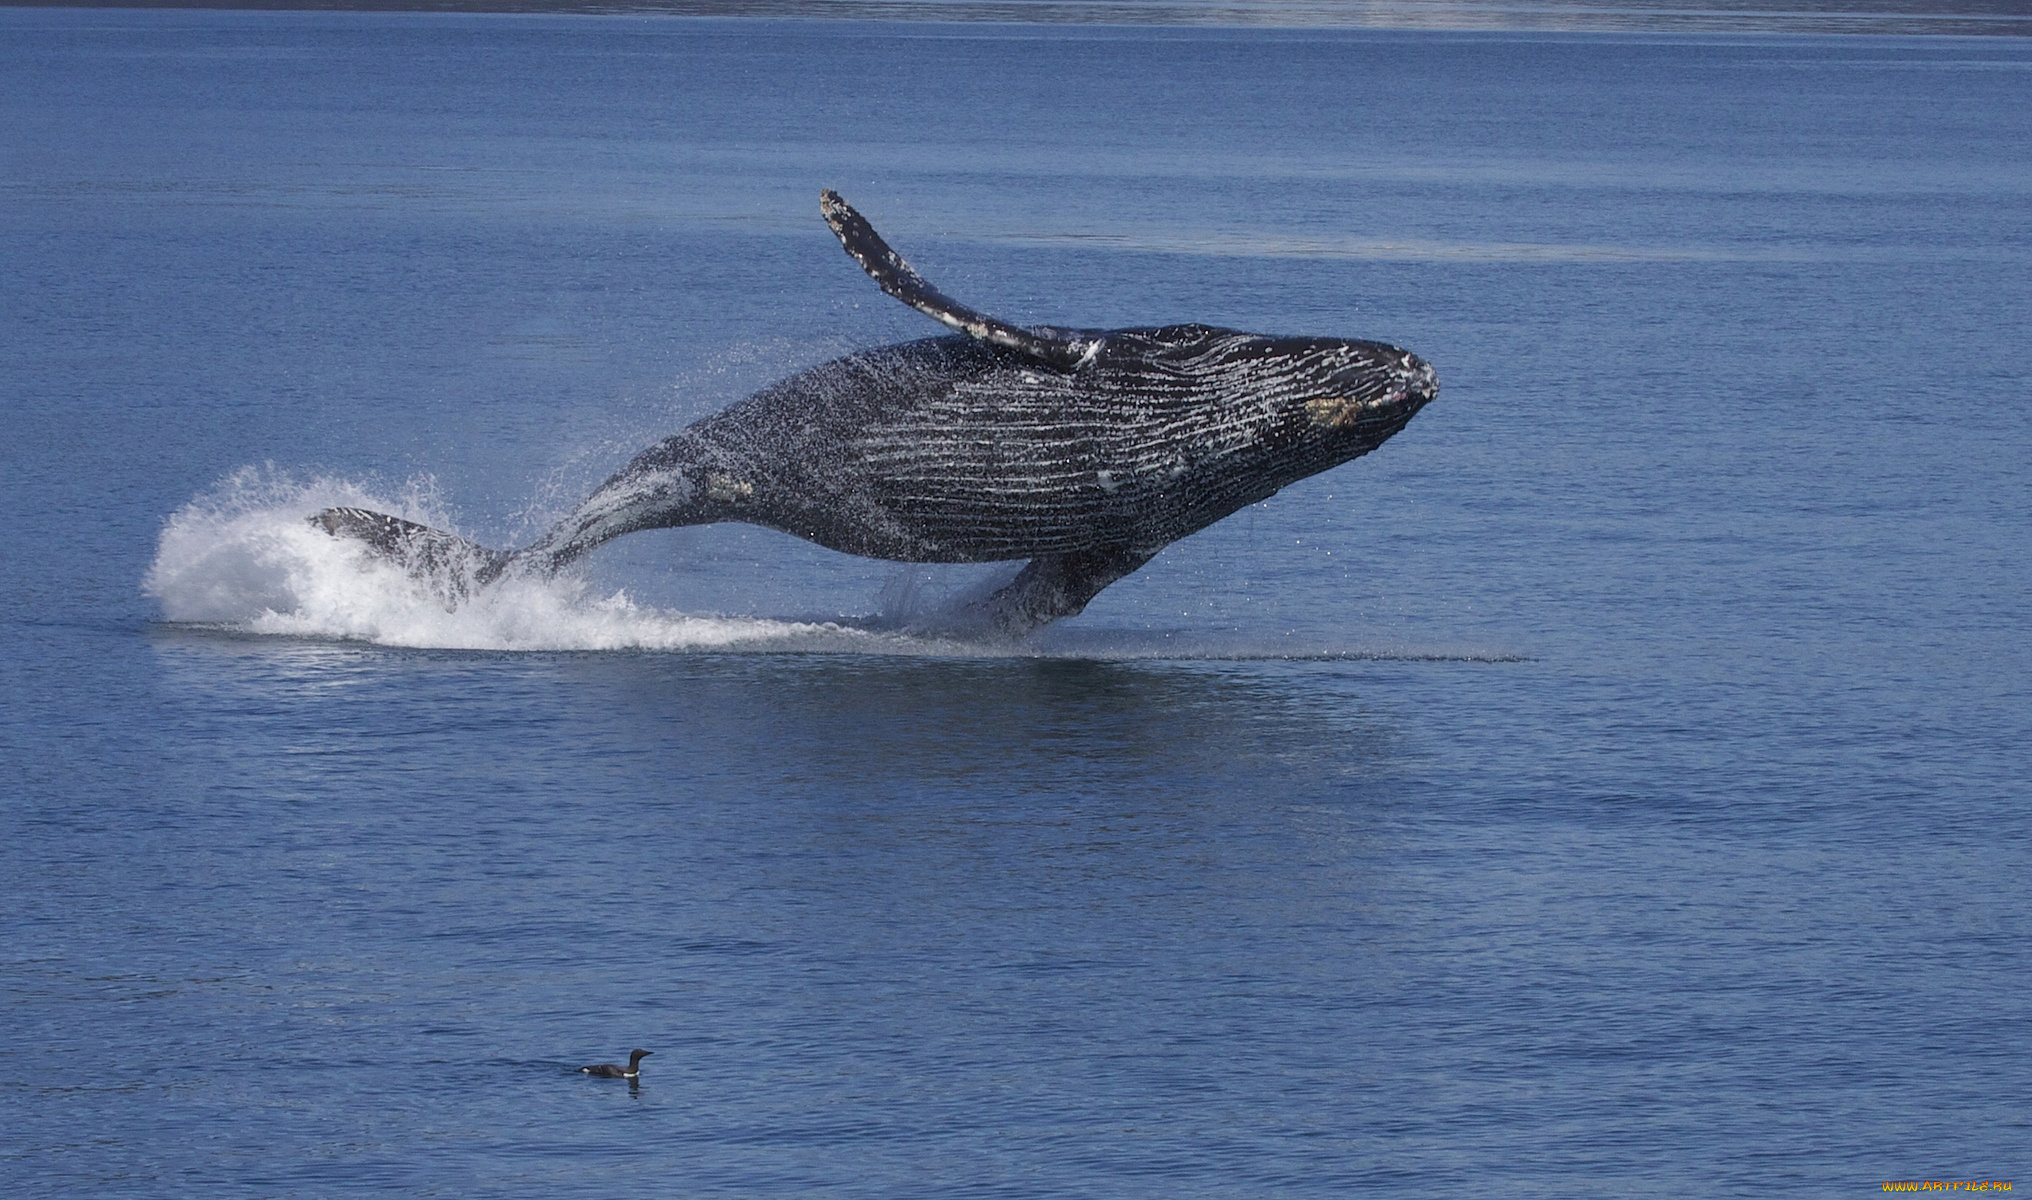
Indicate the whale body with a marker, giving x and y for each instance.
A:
(1083, 451)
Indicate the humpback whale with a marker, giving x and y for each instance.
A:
(1085, 451)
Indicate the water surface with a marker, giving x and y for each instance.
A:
(1613, 786)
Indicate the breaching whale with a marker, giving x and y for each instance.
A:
(1084, 451)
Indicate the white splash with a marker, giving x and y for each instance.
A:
(245, 557)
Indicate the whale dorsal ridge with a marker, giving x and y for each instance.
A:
(900, 280)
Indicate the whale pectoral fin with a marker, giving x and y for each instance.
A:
(1054, 586)
(449, 564)
(1060, 348)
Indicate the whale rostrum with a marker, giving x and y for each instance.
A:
(1085, 451)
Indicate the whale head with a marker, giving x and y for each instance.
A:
(1365, 391)
(1294, 406)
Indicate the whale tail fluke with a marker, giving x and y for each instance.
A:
(451, 566)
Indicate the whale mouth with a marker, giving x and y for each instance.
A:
(1341, 412)
(1422, 381)
(1393, 390)
(1415, 383)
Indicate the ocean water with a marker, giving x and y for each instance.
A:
(1617, 785)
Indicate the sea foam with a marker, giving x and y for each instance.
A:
(245, 557)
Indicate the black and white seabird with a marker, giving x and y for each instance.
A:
(611, 1071)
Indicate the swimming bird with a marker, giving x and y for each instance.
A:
(611, 1071)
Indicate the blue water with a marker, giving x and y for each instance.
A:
(1614, 786)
